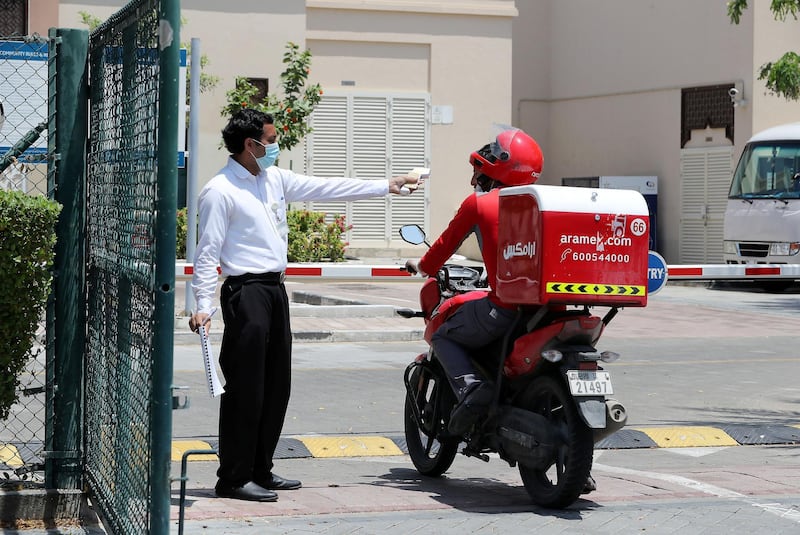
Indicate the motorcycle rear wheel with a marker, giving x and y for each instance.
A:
(562, 482)
(431, 454)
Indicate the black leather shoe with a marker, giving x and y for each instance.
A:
(590, 486)
(471, 408)
(276, 482)
(250, 491)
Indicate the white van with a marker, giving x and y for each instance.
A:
(762, 219)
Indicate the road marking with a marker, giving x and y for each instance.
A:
(696, 452)
(778, 509)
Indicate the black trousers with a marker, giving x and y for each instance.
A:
(474, 325)
(255, 359)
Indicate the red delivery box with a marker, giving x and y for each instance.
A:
(567, 245)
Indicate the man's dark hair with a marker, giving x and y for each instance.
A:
(245, 123)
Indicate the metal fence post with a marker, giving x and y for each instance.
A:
(193, 164)
(169, 69)
(67, 129)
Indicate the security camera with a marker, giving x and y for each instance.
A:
(737, 98)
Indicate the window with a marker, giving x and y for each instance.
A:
(262, 85)
(706, 107)
(13, 17)
(768, 170)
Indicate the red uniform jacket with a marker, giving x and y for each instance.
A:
(479, 214)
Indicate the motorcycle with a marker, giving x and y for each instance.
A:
(551, 396)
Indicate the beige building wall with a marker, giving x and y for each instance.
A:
(42, 15)
(69, 12)
(531, 78)
(598, 84)
(240, 38)
(458, 52)
(770, 40)
(614, 70)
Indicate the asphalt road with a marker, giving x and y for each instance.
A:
(693, 357)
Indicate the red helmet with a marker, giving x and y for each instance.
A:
(514, 158)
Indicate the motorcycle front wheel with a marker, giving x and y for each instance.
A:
(431, 454)
(562, 482)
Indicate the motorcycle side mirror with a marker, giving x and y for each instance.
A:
(413, 234)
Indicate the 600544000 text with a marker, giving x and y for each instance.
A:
(601, 257)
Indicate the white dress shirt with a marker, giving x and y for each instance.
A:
(242, 220)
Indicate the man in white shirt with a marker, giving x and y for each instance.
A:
(243, 229)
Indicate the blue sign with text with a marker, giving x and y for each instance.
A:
(656, 272)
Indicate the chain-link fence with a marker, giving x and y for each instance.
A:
(23, 166)
(131, 239)
(95, 398)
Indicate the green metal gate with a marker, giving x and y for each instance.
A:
(130, 231)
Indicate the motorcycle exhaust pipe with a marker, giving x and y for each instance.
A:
(616, 418)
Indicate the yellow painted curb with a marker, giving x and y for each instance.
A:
(179, 447)
(688, 437)
(350, 446)
(10, 456)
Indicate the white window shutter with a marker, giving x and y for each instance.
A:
(705, 178)
(369, 161)
(371, 136)
(326, 149)
(409, 149)
(718, 183)
(692, 233)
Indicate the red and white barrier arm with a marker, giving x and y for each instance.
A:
(395, 273)
(324, 271)
(733, 271)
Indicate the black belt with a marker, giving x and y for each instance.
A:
(272, 277)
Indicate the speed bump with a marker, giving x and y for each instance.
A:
(9, 456)
(179, 447)
(350, 446)
(689, 437)
(625, 439)
(763, 434)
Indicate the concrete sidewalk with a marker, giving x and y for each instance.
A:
(336, 312)
(364, 481)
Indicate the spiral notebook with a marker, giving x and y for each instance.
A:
(215, 387)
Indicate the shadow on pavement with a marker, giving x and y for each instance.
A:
(476, 495)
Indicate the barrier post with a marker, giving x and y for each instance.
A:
(68, 127)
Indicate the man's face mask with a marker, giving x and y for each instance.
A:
(269, 157)
(483, 184)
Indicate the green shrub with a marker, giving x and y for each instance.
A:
(27, 239)
(181, 230)
(310, 238)
(313, 240)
